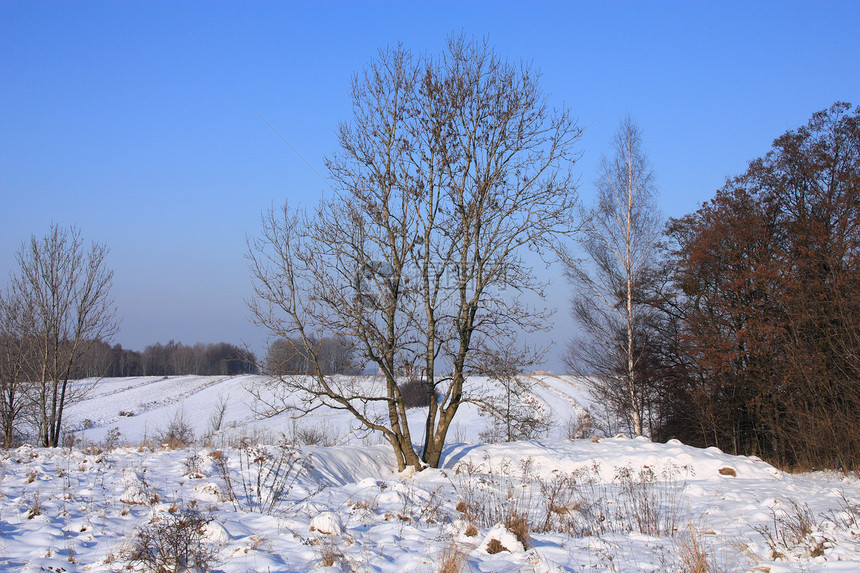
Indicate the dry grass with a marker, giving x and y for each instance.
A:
(791, 530)
(692, 554)
(519, 526)
(847, 516)
(264, 475)
(452, 558)
(647, 500)
(329, 553)
(35, 507)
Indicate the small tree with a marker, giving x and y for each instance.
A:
(619, 243)
(14, 346)
(515, 413)
(65, 304)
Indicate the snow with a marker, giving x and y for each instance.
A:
(618, 504)
(327, 523)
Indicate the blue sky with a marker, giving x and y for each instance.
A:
(139, 122)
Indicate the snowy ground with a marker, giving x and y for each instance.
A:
(615, 504)
(138, 408)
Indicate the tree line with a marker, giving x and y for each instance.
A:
(173, 359)
(21, 404)
(739, 327)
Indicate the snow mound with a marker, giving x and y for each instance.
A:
(327, 523)
(504, 541)
(606, 457)
(352, 505)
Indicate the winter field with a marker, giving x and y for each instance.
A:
(252, 496)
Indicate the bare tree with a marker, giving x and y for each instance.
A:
(515, 412)
(64, 292)
(619, 243)
(450, 168)
(14, 345)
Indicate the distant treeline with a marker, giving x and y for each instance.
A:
(284, 356)
(334, 355)
(171, 359)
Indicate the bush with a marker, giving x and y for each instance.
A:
(320, 435)
(265, 474)
(580, 427)
(414, 393)
(172, 542)
(178, 434)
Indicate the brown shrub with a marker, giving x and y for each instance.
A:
(452, 558)
(519, 526)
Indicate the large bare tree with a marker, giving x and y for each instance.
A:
(618, 242)
(449, 169)
(64, 306)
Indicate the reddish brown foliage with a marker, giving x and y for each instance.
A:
(765, 321)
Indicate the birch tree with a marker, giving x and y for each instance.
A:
(618, 243)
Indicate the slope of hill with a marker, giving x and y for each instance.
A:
(141, 407)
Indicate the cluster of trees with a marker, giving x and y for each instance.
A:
(54, 307)
(333, 354)
(56, 315)
(764, 315)
(176, 359)
(743, 330)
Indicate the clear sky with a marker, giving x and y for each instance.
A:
(139, 122)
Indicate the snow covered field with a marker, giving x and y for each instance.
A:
(554, 504)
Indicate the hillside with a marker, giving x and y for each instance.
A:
(140, 407)
(609, 504)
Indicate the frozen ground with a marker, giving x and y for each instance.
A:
(614, 504)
